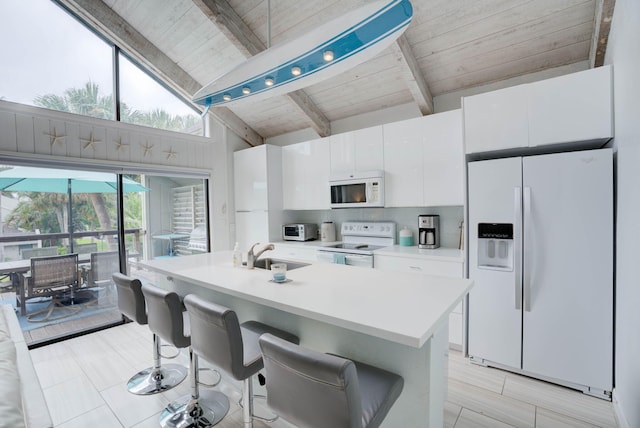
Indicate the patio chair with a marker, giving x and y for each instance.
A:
(29, 253)
(99, 276)
(55, 277)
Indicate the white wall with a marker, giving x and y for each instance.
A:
(623, 51)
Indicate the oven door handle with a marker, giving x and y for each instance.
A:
(359, 260)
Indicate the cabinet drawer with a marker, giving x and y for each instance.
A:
(426, 266)
(292, 252)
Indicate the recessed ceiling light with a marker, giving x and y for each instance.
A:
(268, 81)
(226, 97)
(327, 56)
(295, 70)
(246, 90)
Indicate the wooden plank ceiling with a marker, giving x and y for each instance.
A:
(450, 45)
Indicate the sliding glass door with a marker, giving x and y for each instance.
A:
(53, 217)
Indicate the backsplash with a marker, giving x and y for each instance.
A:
(450, 219)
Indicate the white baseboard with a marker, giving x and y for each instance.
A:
(617, 409)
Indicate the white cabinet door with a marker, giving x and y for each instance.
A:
(443, 159)
(420, 265)
(305, 174)
(251, 227)
(403, 163)
(360, 150)
(295, 252)
(429, 267)
(575, 107)
(250, 179)
(496, 120)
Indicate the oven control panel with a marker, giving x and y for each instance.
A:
(385, 229)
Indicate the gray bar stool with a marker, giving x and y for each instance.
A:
(159, 377)
(218, 337)
(312, 389)
(198, 409)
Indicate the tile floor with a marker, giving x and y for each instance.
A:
(84, 383)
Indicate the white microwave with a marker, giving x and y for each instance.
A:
(357, 190)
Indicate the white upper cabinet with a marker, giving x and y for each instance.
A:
(443, 156)
(403, 163)
(359, 150)
(257, 174)
(305, 175)
(250, 179)
(424, 161)
(496, 120)
(575, 108)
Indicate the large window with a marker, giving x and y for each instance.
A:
(144, 101)
(51, 60)
(56, 62)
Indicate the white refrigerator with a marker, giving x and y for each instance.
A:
(541, 256)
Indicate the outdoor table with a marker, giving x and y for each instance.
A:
(170, 238)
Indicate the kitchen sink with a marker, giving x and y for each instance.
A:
(266, 262)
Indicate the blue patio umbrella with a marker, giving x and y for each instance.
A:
(49, 180)
(29, 179)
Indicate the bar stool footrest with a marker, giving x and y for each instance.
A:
(148, 381)
(206, 411)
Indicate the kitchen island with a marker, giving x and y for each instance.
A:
(396, 321)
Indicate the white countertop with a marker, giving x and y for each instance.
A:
(406, 308)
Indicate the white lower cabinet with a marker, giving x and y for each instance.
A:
(429, 266)
(294, 251)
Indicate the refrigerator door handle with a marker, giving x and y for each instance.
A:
(517, 209)
(528, 237)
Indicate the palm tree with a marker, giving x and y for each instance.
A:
(87, 101)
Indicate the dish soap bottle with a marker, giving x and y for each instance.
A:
(237, 256)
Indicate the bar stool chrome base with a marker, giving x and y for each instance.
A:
(206, 411)
(152, 381)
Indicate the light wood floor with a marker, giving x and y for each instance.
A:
(84, 384)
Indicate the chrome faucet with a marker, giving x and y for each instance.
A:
(252, 257)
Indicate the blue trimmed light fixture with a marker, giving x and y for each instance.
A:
(327, 51)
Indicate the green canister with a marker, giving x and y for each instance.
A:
(406, 237)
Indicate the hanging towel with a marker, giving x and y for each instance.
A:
(339, 258)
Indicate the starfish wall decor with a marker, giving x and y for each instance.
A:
(148, 148)
(90, 142)
(170, 153)
(54, 138)
(120, 145)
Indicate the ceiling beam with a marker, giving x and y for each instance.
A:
(602, 25)
(114, 27)
(412, 75)
(240, 34)
(318, 120)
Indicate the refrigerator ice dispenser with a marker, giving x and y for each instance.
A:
(495, 246)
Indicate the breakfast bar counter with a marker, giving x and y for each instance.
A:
(396, 321)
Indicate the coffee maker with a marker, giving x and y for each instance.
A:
(428, 231)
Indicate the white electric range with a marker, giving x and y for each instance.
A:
(359, 240)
